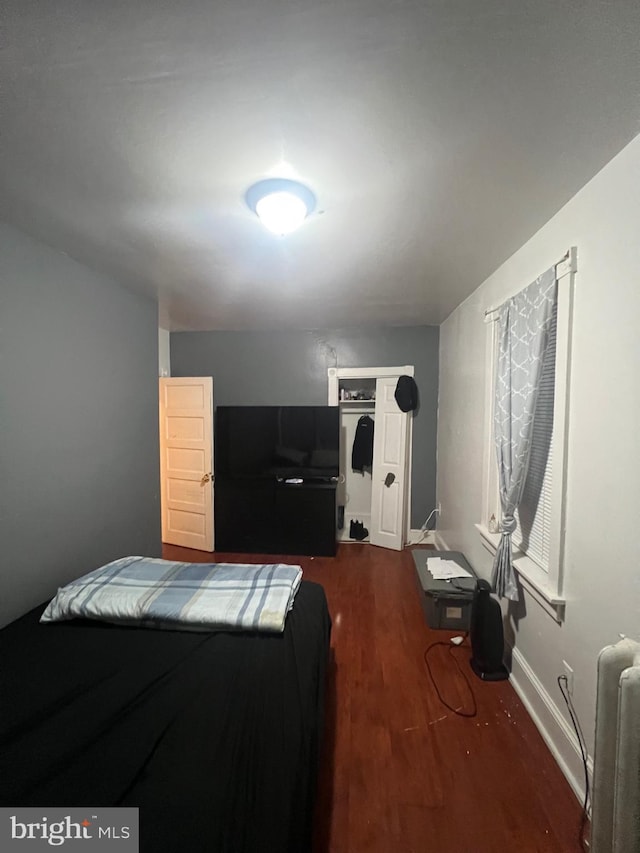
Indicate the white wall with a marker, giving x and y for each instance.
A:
(602, 563)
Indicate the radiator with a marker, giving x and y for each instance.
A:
(615, 821)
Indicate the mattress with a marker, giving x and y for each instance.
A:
(214, 737)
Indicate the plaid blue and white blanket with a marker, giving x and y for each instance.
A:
(185, 596)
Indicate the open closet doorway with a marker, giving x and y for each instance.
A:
(374, 497)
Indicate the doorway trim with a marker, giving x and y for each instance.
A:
(335, 374)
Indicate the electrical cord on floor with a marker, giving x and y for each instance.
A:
(563, 684)
(462, 673)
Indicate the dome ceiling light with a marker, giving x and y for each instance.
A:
(280, 204)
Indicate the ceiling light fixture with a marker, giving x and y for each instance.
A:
(280, 204)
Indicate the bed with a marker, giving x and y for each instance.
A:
(214, 736)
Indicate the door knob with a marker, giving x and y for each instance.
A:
(205, 479)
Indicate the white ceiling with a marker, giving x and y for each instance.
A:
(437, 135)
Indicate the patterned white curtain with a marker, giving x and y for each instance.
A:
(523, 331)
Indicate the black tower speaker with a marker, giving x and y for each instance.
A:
(487, 636)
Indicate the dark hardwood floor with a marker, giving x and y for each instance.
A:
(401, 773)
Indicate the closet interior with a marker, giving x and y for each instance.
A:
(375, 456)
(353, 495)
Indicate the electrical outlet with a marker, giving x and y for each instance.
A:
(439, 508)
(568, 671)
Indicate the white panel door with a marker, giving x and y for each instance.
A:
(389, 472)
(186, 461)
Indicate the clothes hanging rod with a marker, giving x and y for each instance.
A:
(569, 260)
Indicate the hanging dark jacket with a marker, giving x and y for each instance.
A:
(362, 454)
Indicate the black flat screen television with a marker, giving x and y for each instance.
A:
(277, 442)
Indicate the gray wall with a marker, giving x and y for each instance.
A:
(289, 368)
(79, 459)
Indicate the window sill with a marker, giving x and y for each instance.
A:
(531, 576)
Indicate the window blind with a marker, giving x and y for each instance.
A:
(533, 533)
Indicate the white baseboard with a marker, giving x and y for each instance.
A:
(441, 545)
(420, 537)
(554, 728)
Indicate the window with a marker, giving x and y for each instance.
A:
(535, 513)
(538, 541)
